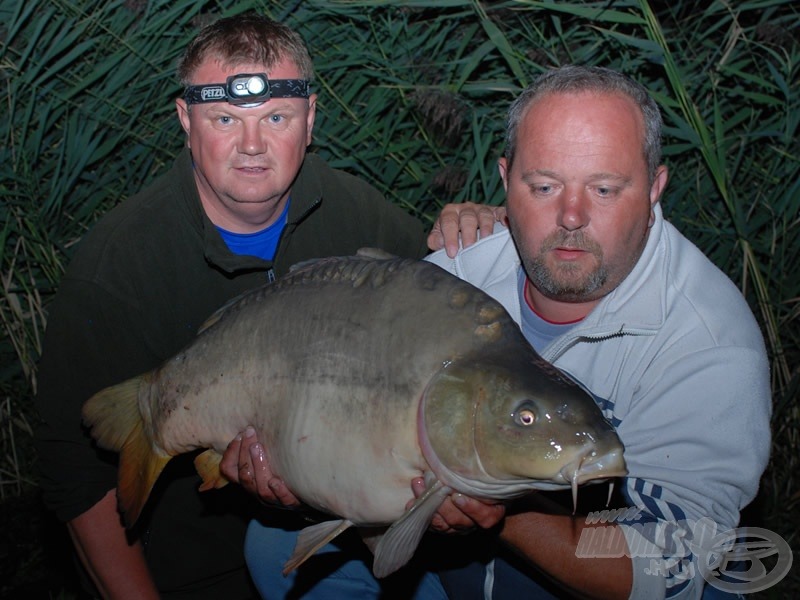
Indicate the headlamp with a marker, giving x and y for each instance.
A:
(247, 88)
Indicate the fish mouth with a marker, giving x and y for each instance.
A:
(593, 466)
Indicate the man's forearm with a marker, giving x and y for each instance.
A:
(550, 542)
(117, 567)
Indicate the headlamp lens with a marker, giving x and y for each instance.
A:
(247, 86)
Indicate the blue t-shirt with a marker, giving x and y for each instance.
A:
(262, 244)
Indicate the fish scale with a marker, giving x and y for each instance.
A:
(360, 374)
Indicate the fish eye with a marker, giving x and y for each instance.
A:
(525, 415)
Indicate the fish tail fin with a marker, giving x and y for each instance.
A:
(139, 467)
(116, 423)
(112, 413)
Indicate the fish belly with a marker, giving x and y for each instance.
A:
(336, 450)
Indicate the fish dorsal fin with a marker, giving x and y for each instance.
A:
(369, 265)
(397, 546)
(312, 539)
(361, 253)
(306, 264)
(375, 253)
(370, 253)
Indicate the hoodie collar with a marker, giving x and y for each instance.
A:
(636, 306)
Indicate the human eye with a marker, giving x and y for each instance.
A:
(542, 189)
(222, 121)
(607, 191)
(278, 121)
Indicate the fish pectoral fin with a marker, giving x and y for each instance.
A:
(397, 547)
(312, 539)
(207, 465)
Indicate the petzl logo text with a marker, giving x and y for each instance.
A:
(213, 93)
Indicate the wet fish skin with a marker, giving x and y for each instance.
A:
(359, 375)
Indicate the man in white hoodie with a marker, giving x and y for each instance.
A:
(608, 291)
(612, 294)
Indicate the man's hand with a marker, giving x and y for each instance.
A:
(466, 220)
(460, 513)
(245, 462)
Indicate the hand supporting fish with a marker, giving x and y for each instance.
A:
(460, 513)
(245, 462)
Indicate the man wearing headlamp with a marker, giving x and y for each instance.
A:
(248, 146)
(241, 204)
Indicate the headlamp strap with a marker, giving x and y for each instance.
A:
(247, 88)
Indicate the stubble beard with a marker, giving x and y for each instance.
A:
(565, 282)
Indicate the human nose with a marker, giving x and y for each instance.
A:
(574, 213)
(252, 140)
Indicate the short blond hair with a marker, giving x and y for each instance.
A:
(246, 38)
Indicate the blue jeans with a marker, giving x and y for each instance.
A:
(443, 567)
(340, 570)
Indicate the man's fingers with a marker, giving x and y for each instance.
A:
(483, 514)
(282, 493)
(261, 472)
(486, 220)
(460, 513)
(449, 225)
(463, 223)
(268, 487)
(500, 215)
(245, 463)
(449, 518)
(418, 486)
(229, 465)
(435, 238)
(469, 219)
